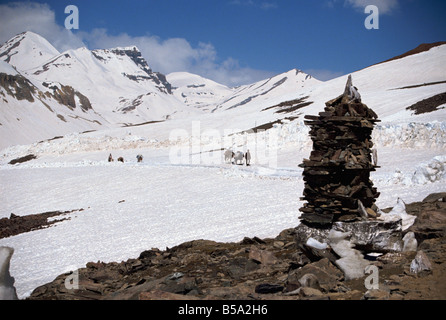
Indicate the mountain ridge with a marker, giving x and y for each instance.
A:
(116, 87)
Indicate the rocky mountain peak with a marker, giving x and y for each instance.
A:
(136, 57)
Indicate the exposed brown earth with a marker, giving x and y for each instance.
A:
(20, 224)
(428, 105)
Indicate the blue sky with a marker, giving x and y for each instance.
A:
(237, 41)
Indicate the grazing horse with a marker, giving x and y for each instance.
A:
(239, 156)
(121, 159)
(139, 158)
(110, 158)
(228, 156)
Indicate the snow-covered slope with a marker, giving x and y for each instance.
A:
(118, 84)
(269, 91)
(390, 87)
(29, 114)
(197, 91)
(27, 50)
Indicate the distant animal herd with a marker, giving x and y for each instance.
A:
(238, 157)
(230, 157)
(139, 158)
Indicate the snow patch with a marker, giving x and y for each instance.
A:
(316, 244)
(352, 262)
(399, 212)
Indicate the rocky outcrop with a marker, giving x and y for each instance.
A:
(19, 224)
(256, 269)
(67, 96)
(18, 86)
(133, 53)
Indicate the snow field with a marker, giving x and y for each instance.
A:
(131, 207)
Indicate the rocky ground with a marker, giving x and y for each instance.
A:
(263, 269)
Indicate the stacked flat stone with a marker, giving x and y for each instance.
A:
(337, 183)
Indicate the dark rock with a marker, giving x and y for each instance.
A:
(262, 256)
(181, 285)
(26, 158)
(434, 197)
(326, 273)
(315, 254)
(265, 288)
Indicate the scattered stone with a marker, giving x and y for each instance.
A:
(376, 294)
(420, 263)
(262, 256)
(309, 280)
(307, 292)
(322, 271)
(410, 242)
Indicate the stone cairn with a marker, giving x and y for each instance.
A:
(337, 184)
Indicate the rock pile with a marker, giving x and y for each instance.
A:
(337, 184)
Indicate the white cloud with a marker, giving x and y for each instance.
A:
(177, 54)
(162, 55)
(384, 6)
(18, 17)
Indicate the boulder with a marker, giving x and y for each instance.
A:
(410, 242)
(321, 275)
(262, 256)
(420, 263)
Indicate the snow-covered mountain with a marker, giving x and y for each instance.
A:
(197, 91)
(269, 91)
(91, 90)
(83, 90)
